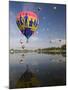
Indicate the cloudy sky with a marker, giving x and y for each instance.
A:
(52, 25)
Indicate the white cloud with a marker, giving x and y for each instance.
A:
(58, 40)
(34, 42)
(34, 38)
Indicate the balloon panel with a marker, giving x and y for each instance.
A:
(29, 13)
(27, 32)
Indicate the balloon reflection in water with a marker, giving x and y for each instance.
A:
(27, 79)
(21, 61)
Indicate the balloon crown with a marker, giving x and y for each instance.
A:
(27, 19)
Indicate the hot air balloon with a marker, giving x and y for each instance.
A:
(22, 44)
(21, 41)
(39, 9)
(59, 40)
(50, 41)
(27, 22)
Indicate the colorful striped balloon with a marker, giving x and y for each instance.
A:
(27, 22)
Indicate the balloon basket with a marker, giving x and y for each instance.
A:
(27, 41)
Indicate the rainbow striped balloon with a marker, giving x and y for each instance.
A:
(27, 22)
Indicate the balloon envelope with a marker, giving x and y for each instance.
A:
(27, 22)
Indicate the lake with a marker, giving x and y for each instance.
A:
(48, 69)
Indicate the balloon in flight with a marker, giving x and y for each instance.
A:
(27, 22)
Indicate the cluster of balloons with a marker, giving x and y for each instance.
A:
(27, 22)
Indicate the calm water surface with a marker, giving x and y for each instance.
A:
(48, 69)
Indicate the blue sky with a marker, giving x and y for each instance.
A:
(52, 25)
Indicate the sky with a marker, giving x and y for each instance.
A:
(51, 28)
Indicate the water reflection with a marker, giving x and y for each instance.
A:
(53, 53)
(23, 55)
(33, 70)
(22, 58)
(27, 79)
